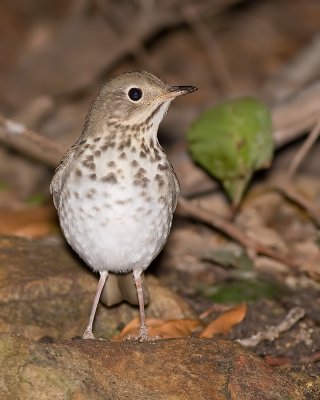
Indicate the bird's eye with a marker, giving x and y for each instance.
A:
(135, 94)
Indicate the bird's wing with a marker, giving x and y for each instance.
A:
(176, 187)
(58, 177)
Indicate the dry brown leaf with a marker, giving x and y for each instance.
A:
(277, 361)
(225, 322)
(30, 222)
(161, 327)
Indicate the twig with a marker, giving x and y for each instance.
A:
(312, 358)
(271, 333)
(289, 191)
(304, 149)
(187, 209)
(18, 137)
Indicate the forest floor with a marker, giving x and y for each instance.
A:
(250, 275)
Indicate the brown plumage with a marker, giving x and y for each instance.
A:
(115, 190)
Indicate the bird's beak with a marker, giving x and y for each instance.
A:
(175, 91)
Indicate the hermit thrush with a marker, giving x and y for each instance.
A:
(115, 190)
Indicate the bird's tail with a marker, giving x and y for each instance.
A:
(121, 287)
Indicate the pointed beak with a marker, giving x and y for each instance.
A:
(175, 91)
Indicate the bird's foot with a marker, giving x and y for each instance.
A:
(88, 334)
(143, 336)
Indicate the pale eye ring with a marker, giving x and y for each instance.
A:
(135, 94)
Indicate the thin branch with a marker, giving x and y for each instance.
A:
(312, 358)
(304, 149)
(187, 209)
(273, 332)
(290, 192)
(20, 138)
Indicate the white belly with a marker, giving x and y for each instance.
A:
(115, 227)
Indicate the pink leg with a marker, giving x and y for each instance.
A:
(88, 332)
(143, 333)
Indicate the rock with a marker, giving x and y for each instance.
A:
(45, 291)
(166, 304)
(163, 369)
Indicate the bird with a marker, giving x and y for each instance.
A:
(115, 190)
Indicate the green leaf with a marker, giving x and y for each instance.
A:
(242, 291)
(227, 257)
(231, 141)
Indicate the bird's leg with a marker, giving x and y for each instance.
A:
(143, 332)
(88, 332)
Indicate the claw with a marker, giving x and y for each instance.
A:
(88, 334)
(143, 334)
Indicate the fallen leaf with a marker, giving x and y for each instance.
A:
(30, 222)
(225, 322)
(215, 308)
(161, 327)
(277, 361)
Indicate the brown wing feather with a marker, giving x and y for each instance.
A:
(57, 180)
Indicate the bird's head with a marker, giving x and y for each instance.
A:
(136, 97)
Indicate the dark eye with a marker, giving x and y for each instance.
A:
(135, 94)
